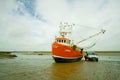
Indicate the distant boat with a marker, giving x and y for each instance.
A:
(63, 48)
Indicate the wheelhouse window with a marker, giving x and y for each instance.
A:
(63, 41)
(68, 41)
(59, 40)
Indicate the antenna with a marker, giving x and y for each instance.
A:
(65, 29)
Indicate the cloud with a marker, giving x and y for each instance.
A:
(21, 32)
(32, 24)
(27, 7)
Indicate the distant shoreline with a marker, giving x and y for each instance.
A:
(51, 51)
(101, 53)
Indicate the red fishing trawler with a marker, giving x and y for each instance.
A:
(63, 48)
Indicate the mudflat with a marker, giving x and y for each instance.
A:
(43, 67)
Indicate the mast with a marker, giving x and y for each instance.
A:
(65, 29)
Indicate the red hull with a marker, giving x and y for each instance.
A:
(65, 52)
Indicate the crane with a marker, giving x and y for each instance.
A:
(102, 31)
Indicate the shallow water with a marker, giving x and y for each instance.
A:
(110, 58)
(43, 67)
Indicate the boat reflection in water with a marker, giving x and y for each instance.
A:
(67, 71)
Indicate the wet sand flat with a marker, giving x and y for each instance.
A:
(43, 67)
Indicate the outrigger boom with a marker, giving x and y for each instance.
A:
(102, 31)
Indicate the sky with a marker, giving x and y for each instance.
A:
(31, 25)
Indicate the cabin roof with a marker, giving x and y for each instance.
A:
(62, 38)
